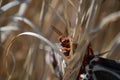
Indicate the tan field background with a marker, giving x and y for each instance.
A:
(83, 21)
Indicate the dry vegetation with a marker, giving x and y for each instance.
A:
(27, 37)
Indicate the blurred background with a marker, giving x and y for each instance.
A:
(25, 58)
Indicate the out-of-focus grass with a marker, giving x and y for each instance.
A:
(83, 21)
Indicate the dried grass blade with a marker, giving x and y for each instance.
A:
(57, 13)
(110, 18)
(9, 5)
(23, 7)
(73, 5)
(115, 47)
(75, 63)
(6, 66)
(90, 17)
(38, 36)
(0, 3)
(25, 20)
(44, 10)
